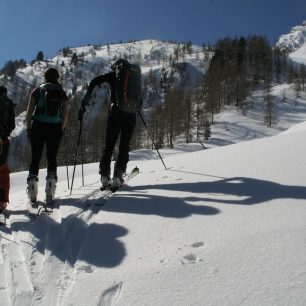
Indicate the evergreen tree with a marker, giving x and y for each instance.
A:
(74, 59)
(40, 56)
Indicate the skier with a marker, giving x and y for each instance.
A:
(47, 115)
(7, 125)
(125, 84)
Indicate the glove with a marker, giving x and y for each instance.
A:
(82, 110)
(85, 101)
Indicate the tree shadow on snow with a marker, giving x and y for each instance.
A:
(248, 190)
(167, 207)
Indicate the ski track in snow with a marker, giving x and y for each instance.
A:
(76, 239)
(27, 253)
(16, 278)
(76, 234)
(110, 295)
(34, 238)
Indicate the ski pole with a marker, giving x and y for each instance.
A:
(82, 157)
(66, 158)
(76, 151)
(144, 123)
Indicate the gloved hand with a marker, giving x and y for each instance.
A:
(82, 110)
(85, 101)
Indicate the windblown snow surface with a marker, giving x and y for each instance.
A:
(224, 226)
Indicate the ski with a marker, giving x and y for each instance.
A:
(39, 207)
(100, 196)
(126, 178)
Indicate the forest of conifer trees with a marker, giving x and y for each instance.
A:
(176, 110)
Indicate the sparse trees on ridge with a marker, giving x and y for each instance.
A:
(176, 111)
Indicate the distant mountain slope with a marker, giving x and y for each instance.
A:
(294, 43)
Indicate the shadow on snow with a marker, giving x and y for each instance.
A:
(98, 244)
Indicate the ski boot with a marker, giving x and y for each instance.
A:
(106, 182)
(32, 189)
(3, 213)
(117, 179)
(51, 181)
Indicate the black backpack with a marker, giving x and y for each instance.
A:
(128, 86)
(49, 104)
(7, 116)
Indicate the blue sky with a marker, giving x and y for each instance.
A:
(28, 26)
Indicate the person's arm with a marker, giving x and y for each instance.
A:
(98, 81)
(108, 77)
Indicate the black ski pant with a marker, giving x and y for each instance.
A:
(41, 134)
(4, 151)
(122, 123)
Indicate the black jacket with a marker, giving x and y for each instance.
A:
(7, 117)
(109, 78)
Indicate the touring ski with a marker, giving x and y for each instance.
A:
(39, 207)
(126, 178)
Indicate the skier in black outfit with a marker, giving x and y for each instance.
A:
(119, 122)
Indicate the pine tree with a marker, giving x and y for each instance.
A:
(40, 56)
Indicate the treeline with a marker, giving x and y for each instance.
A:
(178, 107)
(237, 67)
(10, 67)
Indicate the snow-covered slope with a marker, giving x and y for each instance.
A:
(224, 226)
(154, 56)
(294, 43)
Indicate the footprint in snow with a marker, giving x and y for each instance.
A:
(197, 244)
(86, 268)
(110, 295)
(190, 259)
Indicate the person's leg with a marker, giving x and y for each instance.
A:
(112, 133)
(127, 128)
(38, 139)
(4, 186)
(4, 151)
(53, 139)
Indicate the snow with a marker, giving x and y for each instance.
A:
(222, 226)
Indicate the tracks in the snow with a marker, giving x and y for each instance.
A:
(37, 258)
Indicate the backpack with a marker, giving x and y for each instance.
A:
(49, 104)
(7, 116)
(128, 86)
